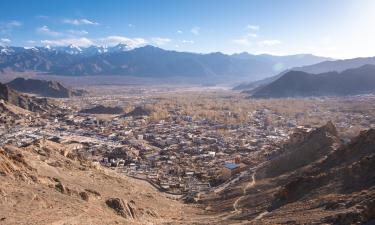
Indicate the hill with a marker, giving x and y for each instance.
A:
(33, 104)
(321, 67)
(53, 184)
(313, 180)
(43, 88)
(301, 84)
(336, 65)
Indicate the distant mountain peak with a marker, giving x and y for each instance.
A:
(70, 49)
(120, 47)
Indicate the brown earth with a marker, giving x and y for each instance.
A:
(316, 181)
(29, 103)
(47, 183)
(320, 180)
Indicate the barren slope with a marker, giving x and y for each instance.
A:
(46, 183)
(318, 182)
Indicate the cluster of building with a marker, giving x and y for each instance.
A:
(182, 155)
(178, 154)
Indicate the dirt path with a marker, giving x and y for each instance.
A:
(249, 185)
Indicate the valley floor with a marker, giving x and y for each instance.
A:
(66, 167)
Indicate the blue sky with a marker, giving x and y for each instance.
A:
(335, 28)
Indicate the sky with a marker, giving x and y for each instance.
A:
(332, 28)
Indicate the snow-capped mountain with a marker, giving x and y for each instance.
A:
(94, 50)
(6, 50)
(88, 51)
(70, 49)
(119, 48)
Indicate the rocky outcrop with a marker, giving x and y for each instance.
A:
(12, 160)
(124, 209)
(43, 88)
(33, 104)
(100, 109)
(138, 111)
(315, 145)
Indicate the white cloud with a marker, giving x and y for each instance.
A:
(179, 31)
(246, 39)
(5, 40)
(80, 22)
(160, 41)
(269, 42)
(83, 42)
(131, 25)
(131, 42)
(242, 41)
(46, 31)
(252, 35)
(31, 42)
(188, 41)
(77, 32)
(195, 30)
(11, 24)
(42, 17)
(7, 27)
(252, 27)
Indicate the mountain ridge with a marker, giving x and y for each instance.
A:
(146, 61)
(301, 84)
(322, 67)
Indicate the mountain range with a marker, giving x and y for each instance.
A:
(301, 84)
(147, 61)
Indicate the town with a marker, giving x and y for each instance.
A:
(180, 153)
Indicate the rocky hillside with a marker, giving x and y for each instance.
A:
(43, 88)
(300, 84)
(33, 104)
(53, 184)
(303, 152)
(319, 181)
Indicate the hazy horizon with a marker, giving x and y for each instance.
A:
(333, 28)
